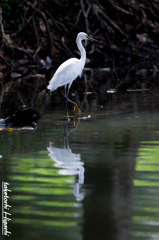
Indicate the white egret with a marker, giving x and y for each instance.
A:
(68, 71)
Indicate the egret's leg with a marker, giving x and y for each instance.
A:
(65, 90)
(66, 94)
(67, 115)
(76, 108)
(68, 89)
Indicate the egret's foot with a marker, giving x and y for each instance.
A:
(67, 115)
(76, 109)
(76, 122)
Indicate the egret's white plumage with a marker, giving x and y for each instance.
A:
(70, 69)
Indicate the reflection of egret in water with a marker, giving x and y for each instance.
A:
(69, 163)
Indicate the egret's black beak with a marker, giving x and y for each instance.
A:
(92, 39)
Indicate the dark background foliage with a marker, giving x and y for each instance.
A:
(37, 29)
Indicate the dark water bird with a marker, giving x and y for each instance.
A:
(25, 117)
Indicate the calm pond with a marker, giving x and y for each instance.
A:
(94, 177)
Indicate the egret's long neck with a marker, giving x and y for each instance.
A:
(82, 50)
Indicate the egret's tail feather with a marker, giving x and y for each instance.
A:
(51, 87)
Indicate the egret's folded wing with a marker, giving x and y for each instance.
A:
(65, 74)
